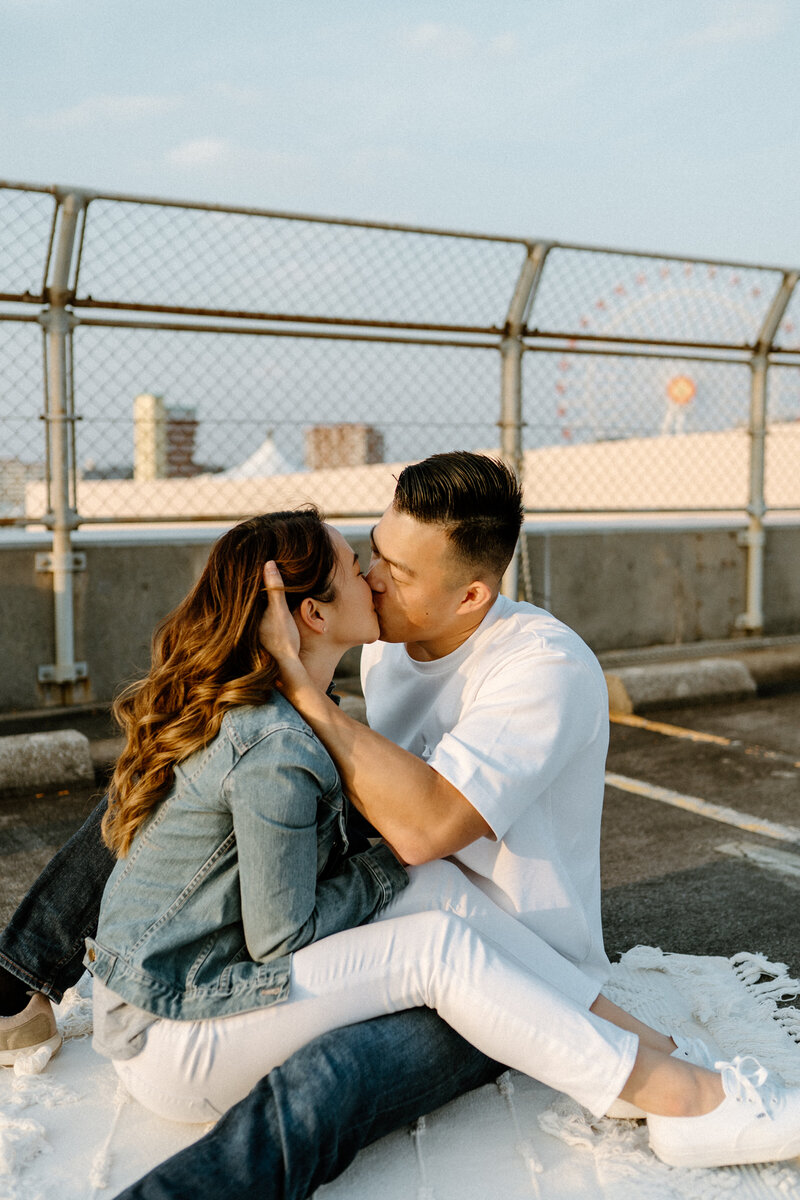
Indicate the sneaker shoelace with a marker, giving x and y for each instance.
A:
(744, 1078)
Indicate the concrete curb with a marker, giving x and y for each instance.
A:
(726, 675)
(42, 760)
(635, 689)
(38, 761)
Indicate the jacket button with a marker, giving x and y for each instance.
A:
(91, 955)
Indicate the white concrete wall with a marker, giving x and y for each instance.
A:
(687, 471)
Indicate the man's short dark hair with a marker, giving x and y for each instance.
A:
(477, 500)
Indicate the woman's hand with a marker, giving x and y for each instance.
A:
(277, 632)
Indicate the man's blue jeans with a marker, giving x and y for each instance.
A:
(301, 1125)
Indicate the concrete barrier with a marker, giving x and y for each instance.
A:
(635, 689)
(44, 760)
(620, 588)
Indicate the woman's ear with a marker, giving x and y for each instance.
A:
(309, 615)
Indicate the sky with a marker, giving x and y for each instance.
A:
(663, 125)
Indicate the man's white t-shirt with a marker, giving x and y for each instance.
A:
(517, 720)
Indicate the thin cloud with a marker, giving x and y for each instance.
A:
(456, 42)
(102, 109)
(446, 41)
(197, 154)
(200, 152)
(504, 45)
(244, 96)
(740, 22)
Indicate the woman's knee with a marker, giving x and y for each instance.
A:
(437, 934)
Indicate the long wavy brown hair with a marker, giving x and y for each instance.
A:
(207, 658)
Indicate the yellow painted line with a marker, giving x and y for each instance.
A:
(695, 735)
(704, 808)
(692, 735)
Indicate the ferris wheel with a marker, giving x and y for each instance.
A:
(717, 303)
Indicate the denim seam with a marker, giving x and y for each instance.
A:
(384, 878)
(210, 752)
(188, 891)
(307, 733)
(20, 973)
(274, 981)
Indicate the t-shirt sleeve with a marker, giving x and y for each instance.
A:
(529, 719)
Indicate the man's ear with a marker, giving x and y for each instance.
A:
(475, 595)
(309, 615)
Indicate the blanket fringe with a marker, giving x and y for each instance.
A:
(737, 1003)
(772, 984)
(717, 1007)
(101, 1165)
(524, 1146)
(418, 1131)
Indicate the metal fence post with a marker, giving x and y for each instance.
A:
(59, 679)
(752, 619)
(511, 351)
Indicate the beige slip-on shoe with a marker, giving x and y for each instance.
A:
(29, 1030)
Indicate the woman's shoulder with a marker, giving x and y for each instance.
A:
(248, 724)
(274, 734)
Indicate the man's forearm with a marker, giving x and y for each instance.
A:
(419, 813)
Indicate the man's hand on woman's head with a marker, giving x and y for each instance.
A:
(278, 632)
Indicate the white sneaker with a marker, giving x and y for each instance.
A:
(758, 1121)
(693, 1050)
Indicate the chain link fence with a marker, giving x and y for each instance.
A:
(614, 296)
(278, 358)
(163, 361)
(603, 435)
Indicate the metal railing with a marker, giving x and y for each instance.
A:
(286, 357)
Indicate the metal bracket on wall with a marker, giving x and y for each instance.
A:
(750, 537)
(45, 561)
(752, 540)
(69, 672)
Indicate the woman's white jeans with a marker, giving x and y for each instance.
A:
(441, 943)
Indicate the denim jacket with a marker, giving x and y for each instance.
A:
(243, 862)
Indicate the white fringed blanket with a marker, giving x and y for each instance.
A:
(72, 1133)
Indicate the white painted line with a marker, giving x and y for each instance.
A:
(764, 856)
(703, 808)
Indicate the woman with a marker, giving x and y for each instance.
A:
(239, 923)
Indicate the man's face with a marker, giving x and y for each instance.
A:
(413, 579)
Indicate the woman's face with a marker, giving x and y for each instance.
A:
(350, 619)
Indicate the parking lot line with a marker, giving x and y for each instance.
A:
(693, 735)
(767, 857)
(704, 808)
(696, 735)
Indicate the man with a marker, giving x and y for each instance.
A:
(488, 718)
(500, 712)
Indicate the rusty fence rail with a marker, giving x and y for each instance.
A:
(166, 361)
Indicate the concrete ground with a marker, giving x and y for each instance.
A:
(672, 877)
(688, 883)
